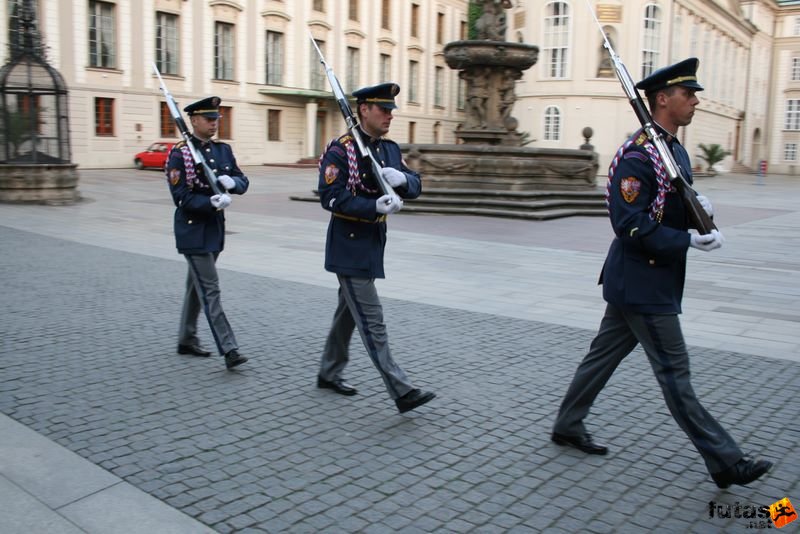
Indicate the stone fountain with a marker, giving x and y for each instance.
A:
(489, 171)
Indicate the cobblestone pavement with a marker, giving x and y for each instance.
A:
(87, 359)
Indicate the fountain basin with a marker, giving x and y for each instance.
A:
(461, 55)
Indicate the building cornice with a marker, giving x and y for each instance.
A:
(228, 3)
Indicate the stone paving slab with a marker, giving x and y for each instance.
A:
(87, 359)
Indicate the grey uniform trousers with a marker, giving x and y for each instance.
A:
(360, 307)
(662, 340)
(202, 289)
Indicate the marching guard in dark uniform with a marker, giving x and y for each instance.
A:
(199, 225)
(643, 279)
(356, 241)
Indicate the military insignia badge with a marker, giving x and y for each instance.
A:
(331, 172)
(629, 187)
(641, 139)
(174, 176)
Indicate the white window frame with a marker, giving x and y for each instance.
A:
(552, 124)
(224, 50)
(557, 22)
(790, 152)
(167, 50)
(102, 25)
(651, 39)
(791, 120)
(273, 62)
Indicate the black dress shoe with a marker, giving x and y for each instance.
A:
(233, 358)
(742, 472)
(413, 399)
(339, 386)
(582, 443)
(194, 350)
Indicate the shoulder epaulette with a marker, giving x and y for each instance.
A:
(346, 138)
(641, 139)
(180, 144)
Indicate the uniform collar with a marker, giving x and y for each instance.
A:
(199, 142)
(371, 140)
(669, 137)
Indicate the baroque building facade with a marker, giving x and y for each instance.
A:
(254, 54)
(257, 56)
(747, 50)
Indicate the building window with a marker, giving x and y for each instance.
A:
(676, 35)
(102, 46)
(166, 122)
(317, 79)
(273, 125)
(438, 92)
(796, 26)
(440, 28)
(225, 129)
(167, 43)
(386, 68)
(386, 15)
(319, 5)
(652, 39)
(795, 69)
(413, 77)
(462, 30)
(792, 115)
(461, 94)
(353, 64)
(353, 10)
(104, 117)
(552, 124)
(274, 60)
(412, 131)
(556, 39)
(223, 51)
(790, 152)
(414, 20)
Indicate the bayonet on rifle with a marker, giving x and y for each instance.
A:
(697, 214)
(197, 156)
(351, 121)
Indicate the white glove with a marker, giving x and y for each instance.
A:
(226, 181)
(388, 204)
(703, 200)
(707, 242)
(221, 201)
(394, 177)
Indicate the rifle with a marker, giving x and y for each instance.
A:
(352, 126)
(197, 156)
(697, 214)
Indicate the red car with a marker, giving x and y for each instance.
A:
(155, 155)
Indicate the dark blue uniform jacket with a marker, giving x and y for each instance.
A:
(645, 268)
(357, 232)
(199, 226)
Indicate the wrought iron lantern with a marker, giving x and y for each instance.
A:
(34, 123)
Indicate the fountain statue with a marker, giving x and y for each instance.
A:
(489, 166)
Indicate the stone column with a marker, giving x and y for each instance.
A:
(311, 128)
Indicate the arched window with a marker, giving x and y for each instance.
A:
(552, 124)
(556, 40)
(652, 39)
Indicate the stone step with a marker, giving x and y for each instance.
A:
(542, 214)
(534, 205)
